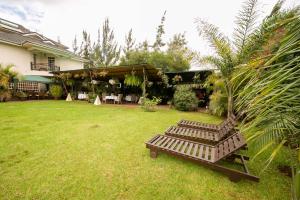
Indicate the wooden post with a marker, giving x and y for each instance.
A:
(144, 83)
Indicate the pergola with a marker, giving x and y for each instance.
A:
(148, 72)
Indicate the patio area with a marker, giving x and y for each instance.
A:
(54, 150)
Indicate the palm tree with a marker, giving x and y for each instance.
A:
(270, 97)
(229, 54)
(6, 75)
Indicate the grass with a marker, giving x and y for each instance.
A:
(61, 150)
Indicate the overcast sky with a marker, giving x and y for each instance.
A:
(67, 18)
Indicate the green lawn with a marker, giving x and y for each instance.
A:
(62, 150)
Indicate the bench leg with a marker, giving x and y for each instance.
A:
(153, 153)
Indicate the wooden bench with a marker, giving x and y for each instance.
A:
(230, 122)
(198, 135)
(204, 154)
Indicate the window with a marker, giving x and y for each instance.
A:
(51, 61)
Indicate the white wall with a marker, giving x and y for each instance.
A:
(68, 64)
(21, 59)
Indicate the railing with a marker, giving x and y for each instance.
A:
(43, 67)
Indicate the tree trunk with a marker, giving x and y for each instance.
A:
(144, 83)
(230, 101)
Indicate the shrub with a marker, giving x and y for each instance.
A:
(218, 103)
(56, 91)
(21, 95)
(185, 99)
(91, 97)
(5, 96)
(150, 104)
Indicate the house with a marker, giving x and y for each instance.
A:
(33, 55)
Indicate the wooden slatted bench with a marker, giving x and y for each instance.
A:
(204, 154)
(229, 123)
(198, 135)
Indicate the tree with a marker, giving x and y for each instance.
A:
(75, 45)
(179, 53)
(228, 57)
(160, 31)
(129, 43)
(7, 75)
(269, 91)
(106, 51)
(85, 48)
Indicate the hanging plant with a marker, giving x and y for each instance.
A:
(164, 77)
(197, 78)
(132, 80)
(103, 73)
(70, 82)
(176, 79)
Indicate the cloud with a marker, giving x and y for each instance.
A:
(29, 13)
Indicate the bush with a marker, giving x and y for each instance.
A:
(21, 95)
(218, 103)
(150, 104)
(185, 99)
(56, 91)
(5, 96)
(91, 97)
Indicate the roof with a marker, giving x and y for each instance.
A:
(34, 78)
(120, 71)
(16, 34)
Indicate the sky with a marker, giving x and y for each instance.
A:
(67, 18)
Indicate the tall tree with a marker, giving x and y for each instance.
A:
(106, 50)
(269, 94)
(129, 43)
(75, 45)
(160, 31)
(180, 55)
(227, 56)
(86, 49)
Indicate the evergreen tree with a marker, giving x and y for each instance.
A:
(106, 52)
(129, 43)
(85, 48)
(160, 31)
(75, 45)
(179, 53)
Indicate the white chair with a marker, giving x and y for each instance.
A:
(118, 99)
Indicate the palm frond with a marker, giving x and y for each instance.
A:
(219, 42)
(245, 22)
(271, 92)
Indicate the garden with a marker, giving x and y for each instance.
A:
(55, 149)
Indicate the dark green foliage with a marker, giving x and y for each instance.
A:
(185, 99)
(56, 91)
(149, 105)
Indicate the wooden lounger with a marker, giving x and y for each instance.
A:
(229, 123)
(204, 154)
(198, 135)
